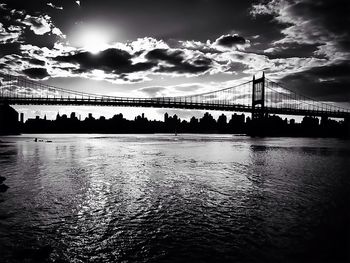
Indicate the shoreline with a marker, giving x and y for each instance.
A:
(253, 135)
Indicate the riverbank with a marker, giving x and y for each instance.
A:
(259, 133)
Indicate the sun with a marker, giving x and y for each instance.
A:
(94, 40)
(93, 36)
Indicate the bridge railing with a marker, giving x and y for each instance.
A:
(278, 99)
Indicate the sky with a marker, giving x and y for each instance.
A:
(147, 48)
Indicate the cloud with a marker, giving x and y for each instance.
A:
(9, 48)
(110, 60)
(35, 61)
(329, 82)
(221, 44)
(230, 41)
(36, 73)
(148, 58)
(39, 25)
(271, 7)
(143, 61)
(174, 61)
(134, 63)
(251, 63)
(9, 35)
(292, 50)
(54, 6)
(172, 57)
(14, 25)
(319, 22)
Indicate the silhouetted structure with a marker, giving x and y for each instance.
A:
(8, 120)
(258, 97)
(269, 125)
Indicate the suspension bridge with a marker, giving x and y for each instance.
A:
(259, 96)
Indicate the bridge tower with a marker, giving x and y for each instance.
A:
(258, 98)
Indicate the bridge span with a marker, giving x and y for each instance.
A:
(258, 97)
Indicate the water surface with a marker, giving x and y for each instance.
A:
(165, 198)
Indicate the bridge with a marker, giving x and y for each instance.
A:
(259, 97)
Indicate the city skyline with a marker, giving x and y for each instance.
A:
(269, 125)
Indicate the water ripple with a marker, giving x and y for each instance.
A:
(152, 198)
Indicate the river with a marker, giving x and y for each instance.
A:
(166, 198)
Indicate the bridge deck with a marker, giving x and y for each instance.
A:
(167, 103)
(273, 97)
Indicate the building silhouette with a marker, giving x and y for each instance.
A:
(268, 125)
(8, 120)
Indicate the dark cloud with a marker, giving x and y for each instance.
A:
(202, 61)
(292, 50)
(330, 15)
(172, 57)
(36, 73)
(177, 63)
(330, 82)
(230, 40)
(45, 40)
(9, 48)
(120, 62)
(110, 60)
(35, 61)
(315, 22)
